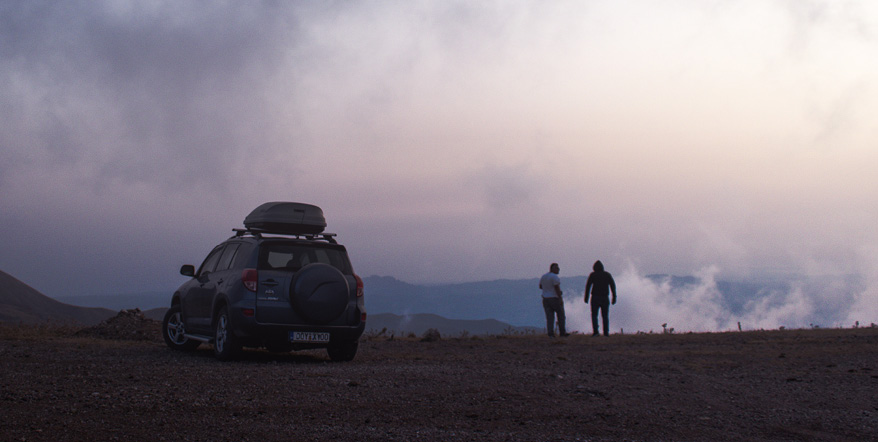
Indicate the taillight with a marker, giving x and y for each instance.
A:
(361, 300)
(360, 290)
(250, 278)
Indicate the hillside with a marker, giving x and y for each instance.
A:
(20, 303)
(644, 302)
(514, 302)
(420, 323)
(389, 324)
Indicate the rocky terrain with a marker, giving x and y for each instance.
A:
(117, 381)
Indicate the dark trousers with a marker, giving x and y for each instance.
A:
(604, 308)
(552, 307)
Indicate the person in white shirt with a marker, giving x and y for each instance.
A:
(553, 304)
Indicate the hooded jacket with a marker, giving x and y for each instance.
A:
(599, 285)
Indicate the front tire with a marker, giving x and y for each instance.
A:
(174, 331)
(225, 346)
(344, 352)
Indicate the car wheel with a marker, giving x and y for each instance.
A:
(174, 331)
(225, 346)
(343, 352)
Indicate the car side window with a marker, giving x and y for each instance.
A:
(210, 262)
(228, 256)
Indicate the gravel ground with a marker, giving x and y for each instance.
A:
(64, 384)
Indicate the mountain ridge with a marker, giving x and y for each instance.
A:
(21, 303)
(646, 302)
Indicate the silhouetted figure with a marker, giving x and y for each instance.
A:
(553, 305)
(599, 284)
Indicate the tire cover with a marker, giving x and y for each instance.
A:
(319, 293)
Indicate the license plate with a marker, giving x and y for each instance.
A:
(309, 337)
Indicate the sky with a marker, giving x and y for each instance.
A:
(445, 141)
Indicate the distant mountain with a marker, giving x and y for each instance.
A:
(157, 314)
(122, 301)
(20, 303)
(515, 302)
(419, 323)
(735, 295)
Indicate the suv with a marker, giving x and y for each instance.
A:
(279, 283)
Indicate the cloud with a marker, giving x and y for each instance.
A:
(163, 96)
(652, 303)
(864, 305)
(699, 305)
(443, 135)
(509, 187)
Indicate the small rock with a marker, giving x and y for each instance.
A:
(431, 335)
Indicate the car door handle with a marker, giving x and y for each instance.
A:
(270, 283)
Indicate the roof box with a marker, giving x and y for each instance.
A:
(286, 217)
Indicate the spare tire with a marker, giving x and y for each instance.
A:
(319, 293)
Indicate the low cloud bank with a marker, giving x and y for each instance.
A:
(702, 304)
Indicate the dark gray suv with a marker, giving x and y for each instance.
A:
(279, 283)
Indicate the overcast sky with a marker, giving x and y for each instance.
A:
(446, 141)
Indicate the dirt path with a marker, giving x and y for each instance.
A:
(814, 385)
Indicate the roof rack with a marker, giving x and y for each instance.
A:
(328, 237)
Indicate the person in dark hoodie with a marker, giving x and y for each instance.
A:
(599, 285)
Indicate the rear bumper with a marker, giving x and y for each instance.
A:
(255, 334)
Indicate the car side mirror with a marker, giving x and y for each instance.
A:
(187, 270)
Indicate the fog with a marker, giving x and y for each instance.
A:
(447, 141)
(655, 304)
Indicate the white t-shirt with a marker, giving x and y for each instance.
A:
(548, 282)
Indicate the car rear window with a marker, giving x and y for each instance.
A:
(278, 256)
